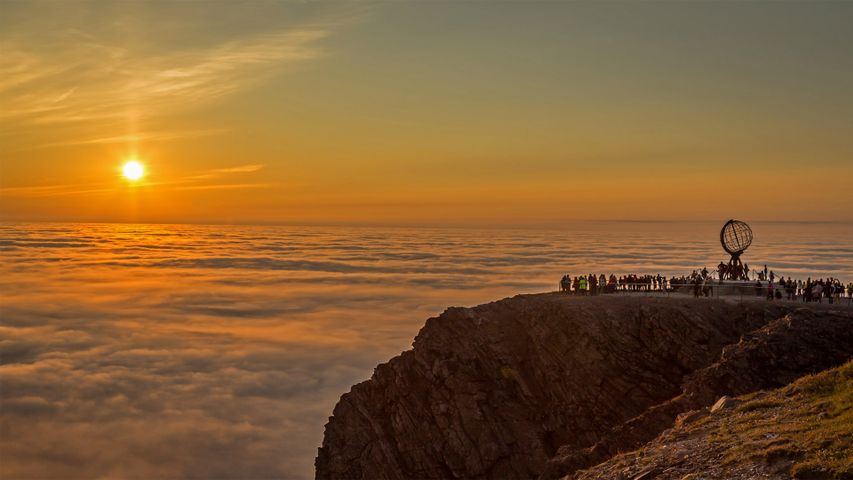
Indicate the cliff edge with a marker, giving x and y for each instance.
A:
(547, 385)
(802, 431)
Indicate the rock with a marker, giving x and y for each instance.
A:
(687, 418)
(646, 474)
(547, 384)
(724, 403)
(810, 339)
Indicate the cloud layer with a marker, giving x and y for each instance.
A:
(139, 351)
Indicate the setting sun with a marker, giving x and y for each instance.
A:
(133, 170)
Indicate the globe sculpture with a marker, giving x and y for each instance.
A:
(736, 237)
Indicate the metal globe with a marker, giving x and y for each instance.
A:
(736, 236)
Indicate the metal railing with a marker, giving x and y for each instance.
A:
(713, 288)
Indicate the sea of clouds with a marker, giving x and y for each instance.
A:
(142, 351)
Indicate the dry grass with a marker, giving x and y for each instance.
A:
(804, 430)
(809, 423)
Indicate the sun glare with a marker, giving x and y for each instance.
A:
(133, 170)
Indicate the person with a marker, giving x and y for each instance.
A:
(817, 292)
(602, 282)
(565, 284)
(770, 288)
(582, 284)
(745, 272)
(722, 269)
(765, 273)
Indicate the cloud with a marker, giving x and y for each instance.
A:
(135, 138)
(239, 364)
(178, 351)
(226, 186)
(218, 172)
(87, 81)
(55, 190)
(240, 169)
(191, 182)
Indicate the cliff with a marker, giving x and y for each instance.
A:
(803, 430)
(550, 384)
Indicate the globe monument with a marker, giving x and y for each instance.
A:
(735, 237)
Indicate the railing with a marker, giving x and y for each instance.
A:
(713, 288)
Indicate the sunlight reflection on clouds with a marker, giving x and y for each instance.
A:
(219, 351)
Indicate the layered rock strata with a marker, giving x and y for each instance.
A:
(548, 384)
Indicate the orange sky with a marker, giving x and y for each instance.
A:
(510, 113)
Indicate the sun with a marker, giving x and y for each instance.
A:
(133, 170)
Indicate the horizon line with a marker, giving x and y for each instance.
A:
(452, 225)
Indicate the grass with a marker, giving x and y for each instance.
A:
(809, 423)
(762, 404)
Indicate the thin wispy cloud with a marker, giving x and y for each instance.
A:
(241, 169)
(135, 138)
(215, 179)
(226, 186)
(89, 81)
(55, 190)
(219, 172)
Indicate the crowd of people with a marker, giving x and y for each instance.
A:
(701, 283)
(831, 289)
(593, 284)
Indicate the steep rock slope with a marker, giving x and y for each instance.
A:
(497, 390)
(803, 341)
(804, 430)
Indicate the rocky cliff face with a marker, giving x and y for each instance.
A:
(548, 384)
